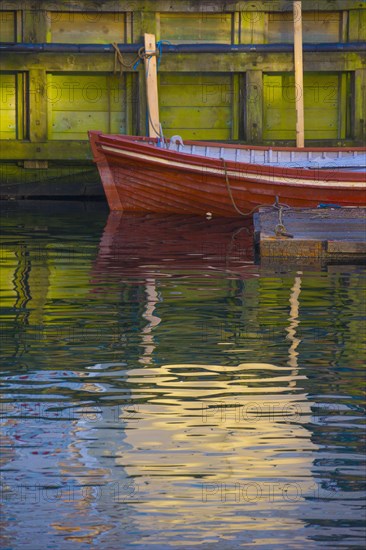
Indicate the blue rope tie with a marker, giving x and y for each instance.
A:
(159, 47)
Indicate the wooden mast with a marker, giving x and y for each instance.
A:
(299, 74)
(151, 85)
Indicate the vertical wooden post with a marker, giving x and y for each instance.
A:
(38, 125)
(141, 105)
(151, 86)
(299, 74)
(254, 106)
(360, 107)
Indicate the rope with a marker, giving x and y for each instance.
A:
(118, 58)
(141, 54)
(280, 228)
(158, 53)
(159, 46)
(237, 209)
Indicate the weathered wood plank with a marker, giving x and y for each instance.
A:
(51, 150)
(299, 74)
(195, 28)
(152, 101)
(78, 103)
(87, 28)
(254, 106)
(198, 103)
(187, 5)
(214, 134)
(323, 101)
(85, 92)
(76, 124)
(195, 89)
(35, 24)
(325, 234)
(360, 106)
(205, 63)
(317, 27)
(38, 105)
(145, 22)
(357, 25)
(252, 27)
(141, 94)
(7, 26)
(196, 117)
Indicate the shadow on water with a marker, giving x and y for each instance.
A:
(160, 390)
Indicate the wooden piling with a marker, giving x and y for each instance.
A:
(299, 74)
(151, 85)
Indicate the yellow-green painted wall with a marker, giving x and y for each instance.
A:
(81, 102)
(325, 97)
(49, 100)
(197, 106)
(8, 119)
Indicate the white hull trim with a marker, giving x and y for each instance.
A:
(235, 174)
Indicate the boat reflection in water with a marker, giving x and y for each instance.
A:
(209, 446)
(137, 244)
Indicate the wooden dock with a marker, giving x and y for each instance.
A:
(311, 235)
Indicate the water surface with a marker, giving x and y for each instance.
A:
(160, 390)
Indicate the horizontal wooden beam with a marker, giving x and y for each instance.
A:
(230, 62)
(202, 6)
(65, 150)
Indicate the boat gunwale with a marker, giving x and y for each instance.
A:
(147, 140)
(143, 144)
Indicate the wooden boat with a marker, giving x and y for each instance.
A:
(142, 174)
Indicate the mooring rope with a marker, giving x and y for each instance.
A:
(240, 212)
(237, 209)
(118, 58)
(141, 55)
(280, 229)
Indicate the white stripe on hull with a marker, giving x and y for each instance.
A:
(237, 174)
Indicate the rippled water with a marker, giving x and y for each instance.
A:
(160, 390)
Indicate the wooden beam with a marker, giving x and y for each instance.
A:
(210, 62)
(360, 106)
(254, 106)
(151, 85)
(38, 105)
(63, 150)
(299, 74)
(181, 6)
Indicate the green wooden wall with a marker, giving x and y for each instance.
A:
(81, 102)
(192, 27)
(198, 106)
(81, 28)
(8, 101)
(49, 101)
(325, 98)
(316, 27)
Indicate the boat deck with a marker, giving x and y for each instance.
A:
(311, 159)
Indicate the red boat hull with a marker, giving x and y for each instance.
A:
(139, 177)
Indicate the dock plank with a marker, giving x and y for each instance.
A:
(330, 235)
